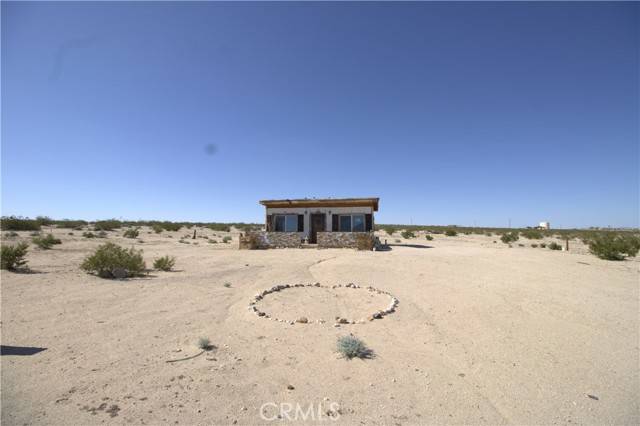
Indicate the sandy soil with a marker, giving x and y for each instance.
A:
(484, 334)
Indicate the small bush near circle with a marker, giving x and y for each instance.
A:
(226, 239)
(450, 233)
(509, 237)
(164, 263)
(534, 245)
(46, 242)
(352, 347)
(131, 233)
(407, 235)
(608, 246)
(204, 343)
(428, 237)
(543, 245)
(555, 246)
(110, 257)
(12, 257)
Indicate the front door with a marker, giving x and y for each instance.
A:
(317, 225)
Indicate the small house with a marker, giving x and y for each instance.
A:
(327, 222)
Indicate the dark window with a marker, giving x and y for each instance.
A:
(345, 223)
(286, 223)
(358, 223)
(279, 224)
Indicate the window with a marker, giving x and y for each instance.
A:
(345, 223)
(358, 223)
(352, 223)
(286, 223)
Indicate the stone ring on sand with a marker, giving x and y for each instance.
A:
(303, 302)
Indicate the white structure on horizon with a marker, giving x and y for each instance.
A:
(544, 225)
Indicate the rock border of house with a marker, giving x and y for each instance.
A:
(391, 308)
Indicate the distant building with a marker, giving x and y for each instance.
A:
(544, 225)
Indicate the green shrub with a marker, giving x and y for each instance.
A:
(157, 229)
(46, 242)
(107, 225)
(212, 242)
(170, 226)
(226, 239)
(428, 237)
(204, 343)
(543, 245)
(389, 231)
(164, 263)
(219, 227)
(13, 223)
(555, 246)
(520, 245)
(450, 233)
(488, 234)
(609, 246)
(532, 234)
(131, 233)
(352, 347)
(407, 235)
(509, 237)
(44, 220)
(101, 234)
(89, 234)
(534, 245)
(70, 224)
(12, 257)
(109, 257)
(11, 234)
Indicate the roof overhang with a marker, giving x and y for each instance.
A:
(324, 202)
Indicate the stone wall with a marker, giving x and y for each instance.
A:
(359, 240)
(263, 240)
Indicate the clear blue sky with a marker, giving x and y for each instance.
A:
(450, 113)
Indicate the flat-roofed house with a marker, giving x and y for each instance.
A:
(328, 222)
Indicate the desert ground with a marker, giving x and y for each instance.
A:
(483, 334)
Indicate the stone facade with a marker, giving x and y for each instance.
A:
(264, 240)
(358, 240)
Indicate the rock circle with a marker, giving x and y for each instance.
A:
(391, 308)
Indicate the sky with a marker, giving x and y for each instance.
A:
(478, 114)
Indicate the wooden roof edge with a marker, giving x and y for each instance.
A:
(374, 201)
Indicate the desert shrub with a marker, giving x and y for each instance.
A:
(555, 246)
(488, 234)
(70, 224)
(227, 285)
(88, 234)
(101, 234)
(509, 237)
(164, 263)
(534, 245)
(450, 233)
(532, 234)
(13, 223)
(157, 229)
(46, 242)
(520, 245)
(226, 239)
(389, 231)
(364, 241)
(11, 234)
(352, 347)
(12, 257)
(219, 227)
(428, 237)
(107, 225)
(204, 343)
(170, 226)
(110, 257)
(609, 246)
(407, 235)
(44, 220)
(131, 233)
(543, 245)
(212, 242)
